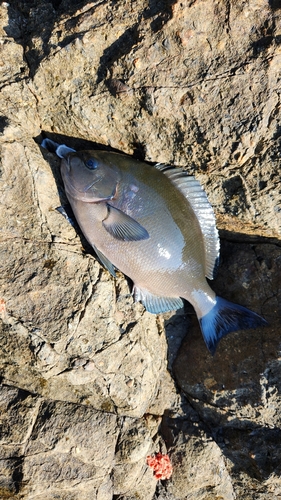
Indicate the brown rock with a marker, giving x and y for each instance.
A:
(84, 369)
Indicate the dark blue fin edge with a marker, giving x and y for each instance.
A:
(226, 317)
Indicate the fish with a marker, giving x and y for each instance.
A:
(156, 225)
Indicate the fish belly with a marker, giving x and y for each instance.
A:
(170, 263)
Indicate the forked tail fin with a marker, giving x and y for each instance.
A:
(226, 317)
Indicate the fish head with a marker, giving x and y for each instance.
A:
(88, 177)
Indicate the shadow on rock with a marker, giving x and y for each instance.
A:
(160, 12)
(250, 449)
(31, 25)
(234, 396)
(249, 275)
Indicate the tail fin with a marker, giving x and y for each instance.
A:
(226, 317)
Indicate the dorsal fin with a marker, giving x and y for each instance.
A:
(194, 193)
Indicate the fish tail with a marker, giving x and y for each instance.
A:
(226, 317)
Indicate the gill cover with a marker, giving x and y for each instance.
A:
(87, 178)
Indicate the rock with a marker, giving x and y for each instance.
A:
(200, 467)
(236, 393)
(53, 448)
(85, 392)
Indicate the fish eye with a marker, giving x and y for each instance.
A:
(92, 164)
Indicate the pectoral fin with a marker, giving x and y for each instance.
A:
(122, 227)
(66, 211)
(105, 262)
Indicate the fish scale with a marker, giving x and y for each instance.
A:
(157, 227)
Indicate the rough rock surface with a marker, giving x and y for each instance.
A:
(91, 383)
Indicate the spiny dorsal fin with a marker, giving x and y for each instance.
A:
(194, 193)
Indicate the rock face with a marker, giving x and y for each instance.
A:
(91, 384)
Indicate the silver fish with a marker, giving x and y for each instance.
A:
(157, 227)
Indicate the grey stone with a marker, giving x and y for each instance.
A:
(85, 393)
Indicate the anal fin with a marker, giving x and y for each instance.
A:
(155, 303)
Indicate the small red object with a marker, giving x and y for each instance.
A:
(2, 306)
(161, 465)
